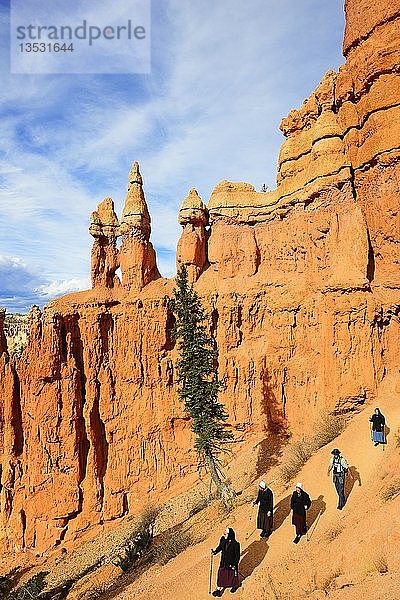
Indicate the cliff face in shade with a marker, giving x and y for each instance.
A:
(303, 289)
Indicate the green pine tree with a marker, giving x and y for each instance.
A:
(198, 382)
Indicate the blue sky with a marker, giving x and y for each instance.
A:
(223, 75)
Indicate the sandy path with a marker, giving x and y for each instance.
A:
(187, 575)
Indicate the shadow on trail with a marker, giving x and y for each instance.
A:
(351, 481)
(282, 510)
(269, 452)
(386, 433)
(316, 510)
(252, 556)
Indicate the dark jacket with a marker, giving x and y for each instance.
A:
(300, 503)
(265, 499)
(230, 553)
(378, 422)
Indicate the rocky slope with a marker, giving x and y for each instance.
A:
(303, 288)
(346, 555)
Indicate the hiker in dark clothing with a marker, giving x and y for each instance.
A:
(338, 465)
(228, 573)
(299, 504)
(265, 501)
(378, 428)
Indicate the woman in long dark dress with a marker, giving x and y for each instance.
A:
(299, 504)
(228, 574)
(265, 501)
(378, 428)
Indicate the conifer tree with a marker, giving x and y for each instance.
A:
(198, 382)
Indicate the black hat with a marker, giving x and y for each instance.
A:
(335, 451)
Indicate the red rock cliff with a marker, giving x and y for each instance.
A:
(302, 284)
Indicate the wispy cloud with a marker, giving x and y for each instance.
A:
(66, 286)
(17, 283)
(223, 75)
(21, 285)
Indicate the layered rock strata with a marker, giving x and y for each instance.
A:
(301, 284)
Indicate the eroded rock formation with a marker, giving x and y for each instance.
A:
(104, 227)
(16, 330)
(303, 289)
(192, 245)
(137, 257)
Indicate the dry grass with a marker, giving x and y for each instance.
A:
(276, 593)
(326, 584)
(148, 517)
(30, 589)
(397, 438)
(333, 533)
(392, 491)
(328, 428)
(380, 563)
(323, 584)
(5, 586)
(202, 502)
(139, 540)
(298, 453)
(296, 456)
(171, 545)
(198, 506)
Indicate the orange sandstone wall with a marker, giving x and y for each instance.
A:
(303, 288)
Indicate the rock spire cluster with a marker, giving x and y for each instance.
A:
(136, 257)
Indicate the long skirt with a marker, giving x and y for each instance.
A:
(264, 522)
(227, 578)
(379, 437)
(299, 521)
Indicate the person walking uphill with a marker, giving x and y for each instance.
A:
(378, 428)
(339, 466)
(299, 503)
(228, 572)
(265, 501)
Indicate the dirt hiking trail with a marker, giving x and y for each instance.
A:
(187, 576)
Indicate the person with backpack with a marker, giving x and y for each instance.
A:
(299, 503)
(378, 428)
(338, 465)
(265, 501)
(228, 572)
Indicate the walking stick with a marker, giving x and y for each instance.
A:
(251, 514)
(314, 526)
(250, 534)
(211, 565)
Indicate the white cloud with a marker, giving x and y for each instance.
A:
(17, 283)
(224, 74)
(16, 276)
(66, 286)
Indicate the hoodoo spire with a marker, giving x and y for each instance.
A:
(104, 227)
(192, 245)
(134, 175)
(135, 213)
